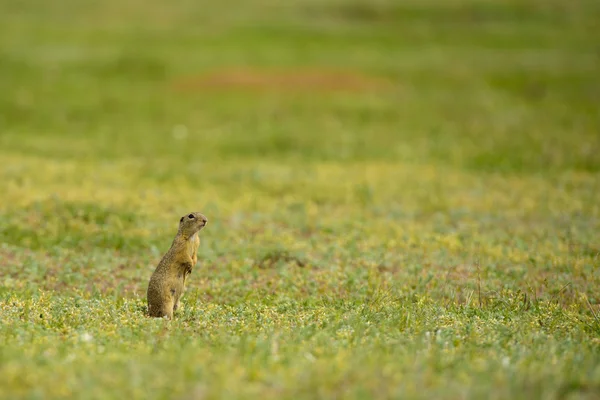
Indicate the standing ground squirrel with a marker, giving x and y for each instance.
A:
(167, 283)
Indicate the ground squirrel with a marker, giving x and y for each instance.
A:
(167, 283)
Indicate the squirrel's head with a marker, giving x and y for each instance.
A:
(192, 223)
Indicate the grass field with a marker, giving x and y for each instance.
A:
(403, 198)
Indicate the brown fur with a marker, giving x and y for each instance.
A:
(167, 283)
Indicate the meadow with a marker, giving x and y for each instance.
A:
(403, 198)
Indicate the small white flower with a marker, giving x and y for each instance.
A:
(86, 337)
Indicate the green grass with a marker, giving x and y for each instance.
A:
(437, 237)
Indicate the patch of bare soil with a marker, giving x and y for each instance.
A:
(284, 80)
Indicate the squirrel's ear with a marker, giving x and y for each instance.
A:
(181, 220)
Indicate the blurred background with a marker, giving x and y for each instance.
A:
(500, 85)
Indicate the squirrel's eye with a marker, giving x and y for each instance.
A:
(191, 216)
